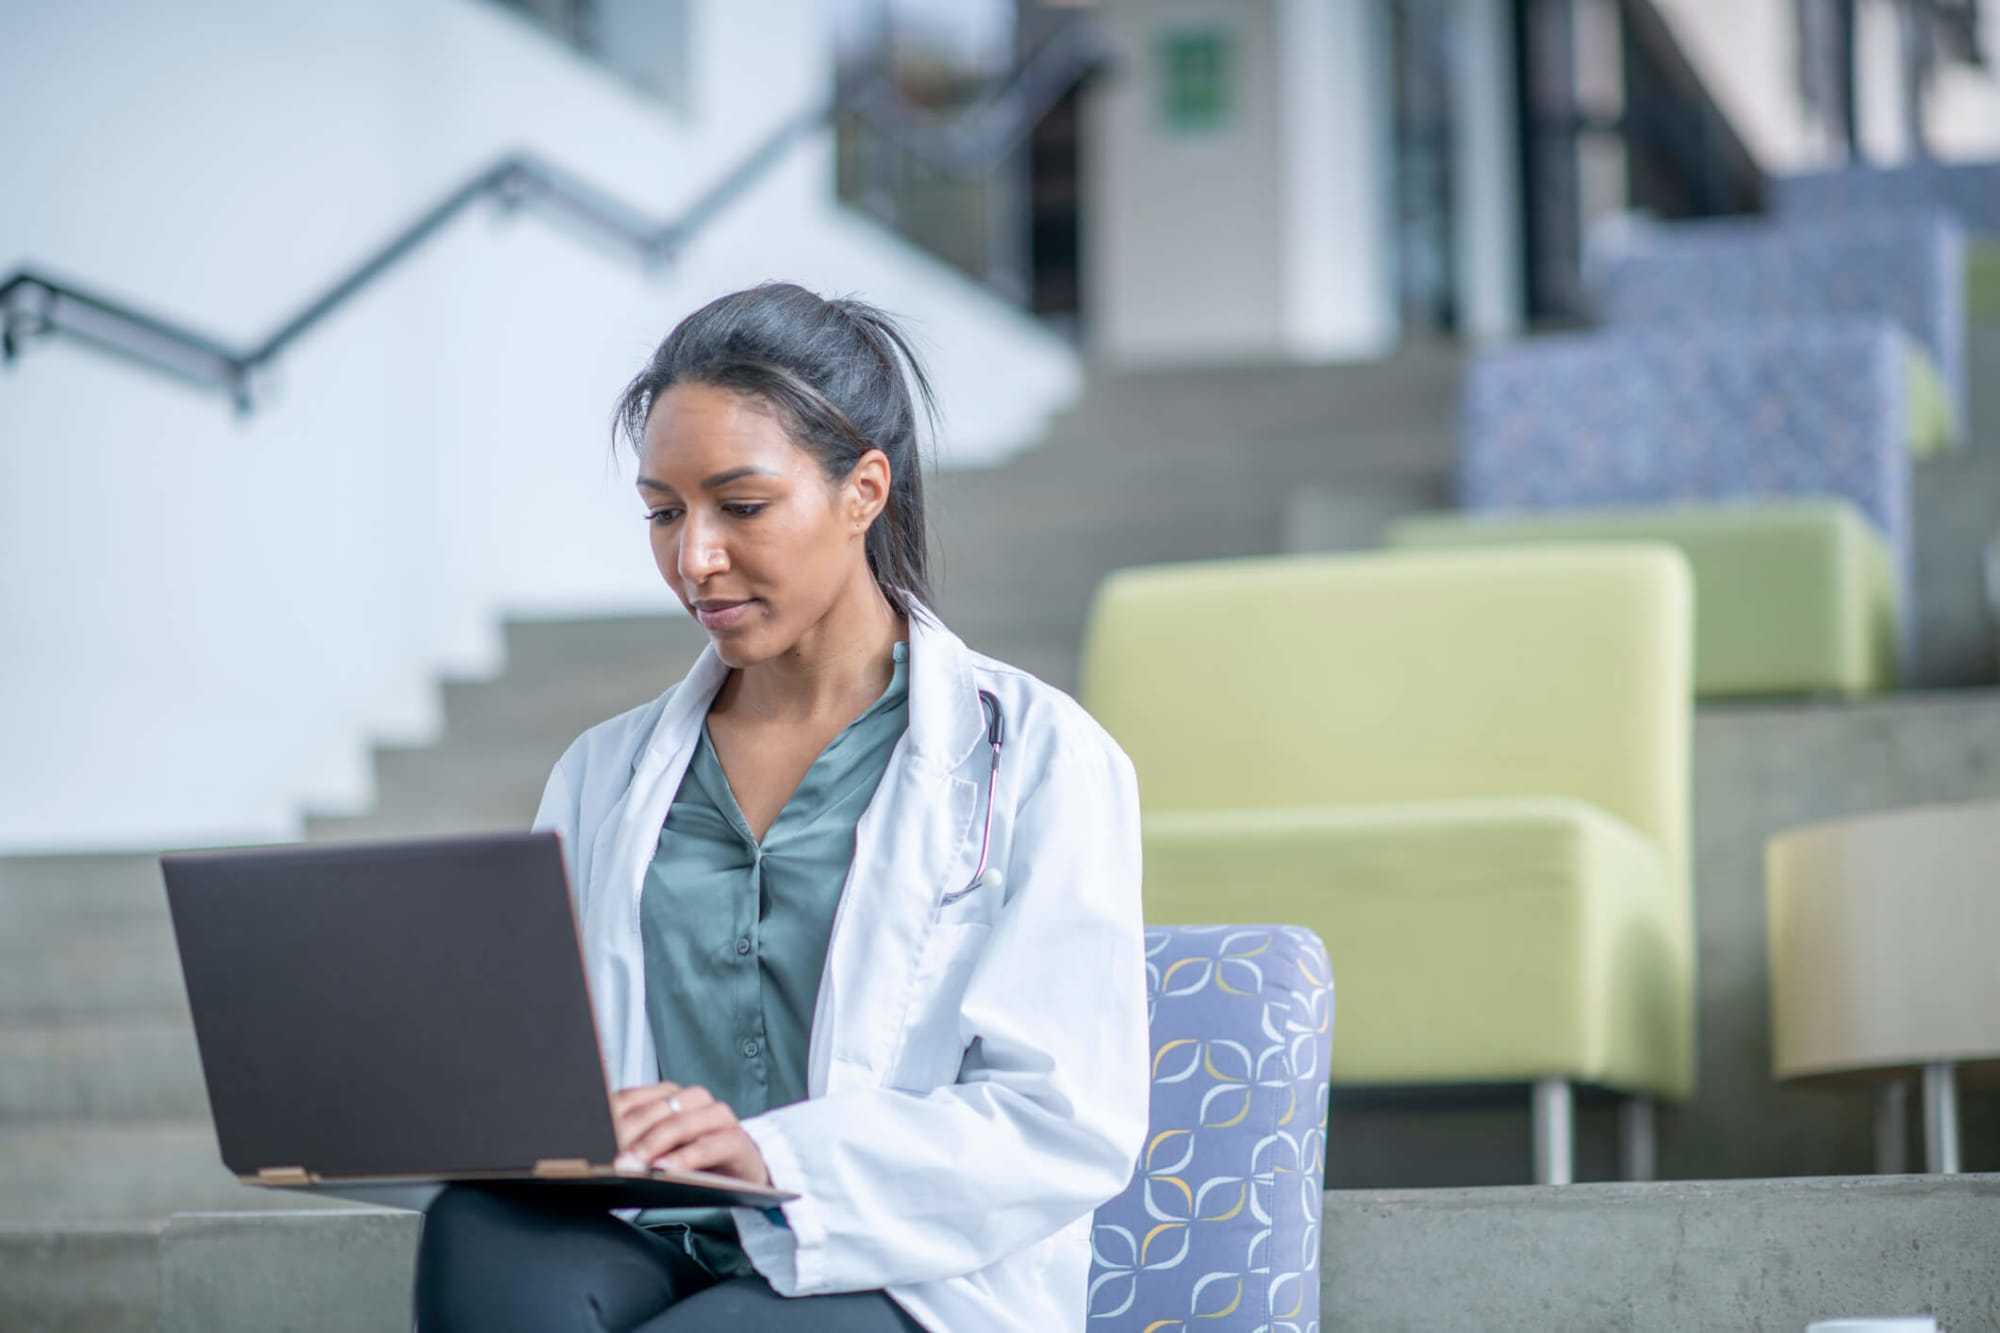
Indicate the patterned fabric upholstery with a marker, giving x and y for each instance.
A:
(1219, 1229)
(1720, 412)
(1969, 191)
(1908, 266)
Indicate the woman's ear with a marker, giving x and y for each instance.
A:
(867, 489)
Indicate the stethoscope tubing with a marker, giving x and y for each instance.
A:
(995, 737)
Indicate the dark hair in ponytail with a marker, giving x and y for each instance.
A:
(835, 373)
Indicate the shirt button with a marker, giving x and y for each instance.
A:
(749, 1049)
(743, 945)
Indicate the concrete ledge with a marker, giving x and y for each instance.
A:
(79, 1279)
(1765, 1254)
(325, 1271)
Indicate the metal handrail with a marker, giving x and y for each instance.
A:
(35, 303)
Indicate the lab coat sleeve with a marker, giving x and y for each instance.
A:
(1050, 1107)
(560, 810)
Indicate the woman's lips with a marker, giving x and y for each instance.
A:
(721, 615)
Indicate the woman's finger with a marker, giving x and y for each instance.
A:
(642, 1122)
(731, 1152)
(629, 1097)
(647, 1105)
(707, 1152)
(676, 1130)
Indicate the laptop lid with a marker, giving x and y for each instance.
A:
(389, 1009)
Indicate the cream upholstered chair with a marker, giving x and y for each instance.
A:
(1882, 932)
(1466, 771)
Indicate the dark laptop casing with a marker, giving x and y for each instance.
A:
(405, 1012)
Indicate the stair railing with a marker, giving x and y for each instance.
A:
(35, 303)
(38, 304)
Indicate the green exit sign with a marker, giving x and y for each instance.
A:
(1195, 68)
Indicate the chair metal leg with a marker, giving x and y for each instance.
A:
(1553, 1109)
(1941, 1119)
(1638, 1142)
(1892, 1128)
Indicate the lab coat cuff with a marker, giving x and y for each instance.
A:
(785, 1248)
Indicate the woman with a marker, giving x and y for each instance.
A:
(835, 944)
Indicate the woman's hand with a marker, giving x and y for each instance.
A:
(684, 1129)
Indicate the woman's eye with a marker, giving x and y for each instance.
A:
(743, 510)
(662, 517)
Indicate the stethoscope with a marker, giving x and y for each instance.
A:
(995, 734)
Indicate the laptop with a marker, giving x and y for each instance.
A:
(377, 1020)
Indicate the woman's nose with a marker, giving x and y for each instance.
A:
(701, 553)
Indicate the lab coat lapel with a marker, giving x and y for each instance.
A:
(628, 840)
(914, 843)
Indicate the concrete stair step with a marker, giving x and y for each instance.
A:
(67, 1172)
(1411, 385)
(80, 1279)
(1765, 1254)
(1955, 501)
(117, 1069)
(569, 703)
(65, 970)
(342, 1270)
(494, 769)
(109, 889)
(1754, 1254)
(554, 647)
(440, 819)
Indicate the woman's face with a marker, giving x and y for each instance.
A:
(746, 528)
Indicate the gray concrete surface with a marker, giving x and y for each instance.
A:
(1956, 503)
(343, 1271)
(1757, 1255)
(1767, 1255)
(83, 1279)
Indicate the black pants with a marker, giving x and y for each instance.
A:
(495, 1261)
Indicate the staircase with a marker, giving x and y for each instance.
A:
(103, 1120)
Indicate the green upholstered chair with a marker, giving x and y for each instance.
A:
(1467, 771)
(1982, 281)
(1792, 596)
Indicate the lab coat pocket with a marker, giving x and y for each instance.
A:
(933, 1046)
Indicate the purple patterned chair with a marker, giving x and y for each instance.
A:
(1770, 454)
(1756, 411)
(1969, 191)
(1220, 1228)
(1907, 266)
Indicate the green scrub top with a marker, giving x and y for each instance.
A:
(735, 933)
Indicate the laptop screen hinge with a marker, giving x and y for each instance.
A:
(283, 1175)
(562, 1166)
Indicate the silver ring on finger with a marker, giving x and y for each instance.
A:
(674, 1104)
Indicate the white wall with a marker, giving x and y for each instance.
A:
(205, 621)
(1265, 238)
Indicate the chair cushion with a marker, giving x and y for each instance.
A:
(1932, 428)
(1421, 675)
(1905, 264)
(1791, 597)
(1475, 940)
(1737, 412)
(1982, 282)
(1219, 1228)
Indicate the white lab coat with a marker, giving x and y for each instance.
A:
(977, 1070)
